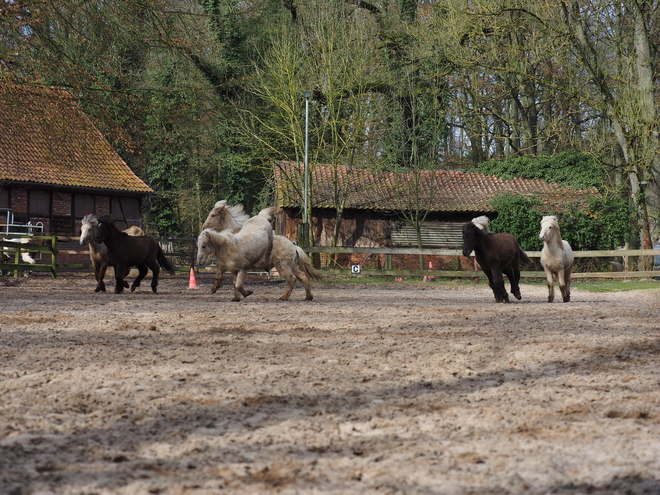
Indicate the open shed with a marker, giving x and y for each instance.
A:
(375, 201)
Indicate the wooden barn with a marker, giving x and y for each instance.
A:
(56, 167)
(374, 201)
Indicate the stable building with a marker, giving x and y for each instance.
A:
(56, 166)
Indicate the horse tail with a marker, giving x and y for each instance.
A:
(305, 264)
(164, 262)
(523, 256)
(268, 213)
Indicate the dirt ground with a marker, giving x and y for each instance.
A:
(375, 389)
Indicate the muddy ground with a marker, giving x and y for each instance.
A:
(376, 389)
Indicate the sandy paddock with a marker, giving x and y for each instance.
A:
(376, 389)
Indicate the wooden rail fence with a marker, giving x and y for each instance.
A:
(181, 252)
(389, 252)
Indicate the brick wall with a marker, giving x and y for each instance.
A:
(102, 205)
(61, 204)
(19, 200)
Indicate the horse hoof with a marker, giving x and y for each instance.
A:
(125, 284)
(98, 289)
(236, 299)
(133, 289)
(248, 293)
(517, 296)
(154, 290)
(309, 298)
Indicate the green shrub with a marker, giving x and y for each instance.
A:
(570, 168)
(606, 224)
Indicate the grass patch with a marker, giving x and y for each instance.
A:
(616, 285)
(596, 285)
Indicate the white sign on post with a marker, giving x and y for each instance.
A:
(355, 269)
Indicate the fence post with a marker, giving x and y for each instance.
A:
(53, 256)
(17, 258)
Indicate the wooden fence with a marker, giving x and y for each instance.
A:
(182, 251)
(630, 254)
(12, 250)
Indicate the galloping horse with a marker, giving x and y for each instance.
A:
(497, 254)
(556, 258)
(98, 253)
(250, 247)
(290, 260)
(125, 251)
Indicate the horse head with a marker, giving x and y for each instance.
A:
(88, 229)
(472, 235)
(104, 228)
(549, 229)
(224, 217)
(204, 247)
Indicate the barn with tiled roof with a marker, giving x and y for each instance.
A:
(373, 201)
(56, 166)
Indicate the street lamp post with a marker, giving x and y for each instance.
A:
(305, 225)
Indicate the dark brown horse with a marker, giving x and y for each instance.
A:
(125, 251)
(497, 254)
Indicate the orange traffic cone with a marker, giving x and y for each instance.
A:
(193, 282)
(430, 278)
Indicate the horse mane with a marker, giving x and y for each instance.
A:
(482, 223)
(215, 237)
(224, 217)
(552, 220)
(111, 223)
(91, 219)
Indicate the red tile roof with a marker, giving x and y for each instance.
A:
(46, 138)
(440, 191)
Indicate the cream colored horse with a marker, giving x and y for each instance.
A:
(556, 258)
(250, 247)
(290, 260)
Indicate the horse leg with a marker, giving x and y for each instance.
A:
(491, 284)
(119, 278)
(304, 279)
(564, 279)
(239, 279)
(99, 275)
(549, 277)
(155, 272)
(142, 272)
(219, 271)
(498, 286)
(289, 274)
(126, 272)
(513, 274)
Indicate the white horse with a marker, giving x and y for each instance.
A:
(290, 260)
(251, 247)
(556, 258)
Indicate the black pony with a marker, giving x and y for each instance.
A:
(125, 251)
(497, 254)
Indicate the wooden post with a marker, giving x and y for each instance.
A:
(17, 258)
(53, 256)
